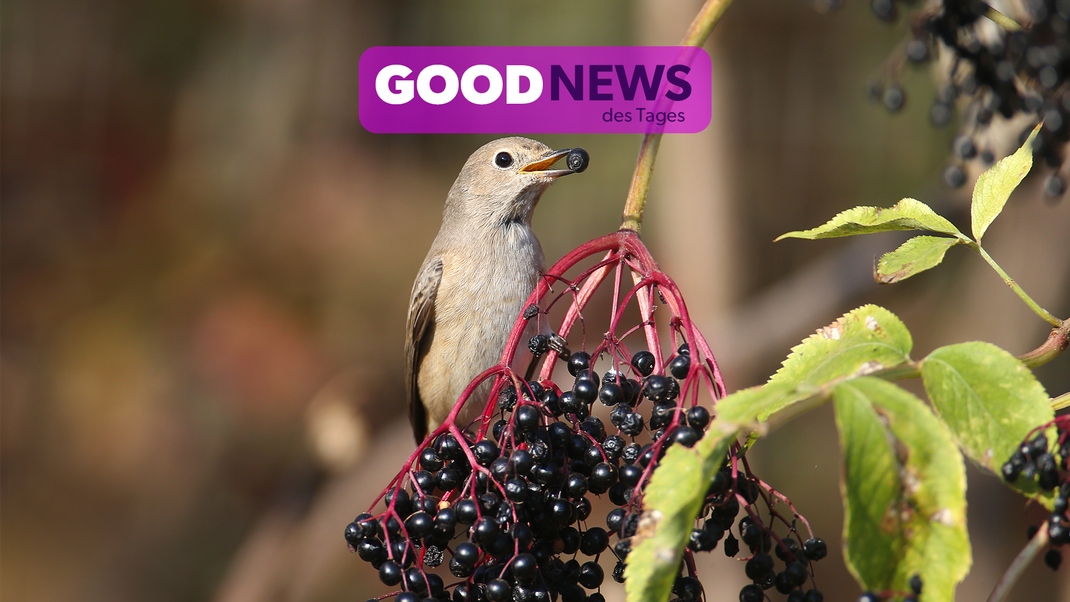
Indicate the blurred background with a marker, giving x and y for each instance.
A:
(206, 263)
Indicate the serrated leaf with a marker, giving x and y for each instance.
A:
(913, 257)
(995, 186)
(672, 501)
(907, 214)
(904, 491)
(860, 342)
(989, 400)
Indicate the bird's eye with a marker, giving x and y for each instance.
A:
(503, 159)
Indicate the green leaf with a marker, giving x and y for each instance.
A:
(672, 501)
(904, 491)
(995, 186)
(989, 400)
(907, 214)
(913, 257)
(860, 342)
(744, 407)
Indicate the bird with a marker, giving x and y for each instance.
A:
(480, 270)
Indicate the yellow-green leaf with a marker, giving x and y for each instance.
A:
(913, 257)
(907, 214)
(995, 186)
(904, 491)
(989, 400)
(862, 341)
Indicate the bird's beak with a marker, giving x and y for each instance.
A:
(542, 165)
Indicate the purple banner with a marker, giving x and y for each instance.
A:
(534, 89)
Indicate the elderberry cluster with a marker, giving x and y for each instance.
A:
(1017, 71)
(509, 513)
(1050, 468)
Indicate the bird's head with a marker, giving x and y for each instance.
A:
(502, 181)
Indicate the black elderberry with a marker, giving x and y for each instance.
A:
(815, 548)
(622, 548)
(575, 485)
(813, 595)
(685, 435)
(583, 508)
(594, 541)
(577, 445)
(915, 584)
(791, 547)
(390, 573)
(354, 533)
(615, 519)
(698, 417)
(940, 114)
(731, 546)
(759, 566)
(617, 494)
(402, 552)
(631, 453)
(516, 490)
(611, 394)
(419, 525)
(964, 147)
(498, 590)
(751, 593)
(631, 424)
(603, 475)
(1058, 529)
(680, 365)
(869, 597)
(1054, 186)
(688, 589)
(618, 571)
(538, 344)
(954, 176)
(585, 390)
(406, 597)
(894, 97)
(507, 398)
(629, 475)
(467, 511)
(612, 447)
(672, 390)
(593, 426)
(551, 401)
(655, 386)
(797, 573)
(371, 550)
(782, 582)
(592, 456)
(569, 403)
(415, 581)
(918, 50)
(797, 596)
(1011, 469)
(430, 460)
(644, 362)
(1047, 472)
(1053, 558)
(591, 575)
(570, 540)
(527, 417)
(579, 361)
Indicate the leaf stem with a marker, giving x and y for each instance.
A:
(700, 29)
(1060, 402)
(1057, 342)
(1038, 310)
(1015, 570)
(1002, 20)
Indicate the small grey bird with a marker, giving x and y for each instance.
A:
(480, 270)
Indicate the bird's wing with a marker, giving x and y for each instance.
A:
(419, 332)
